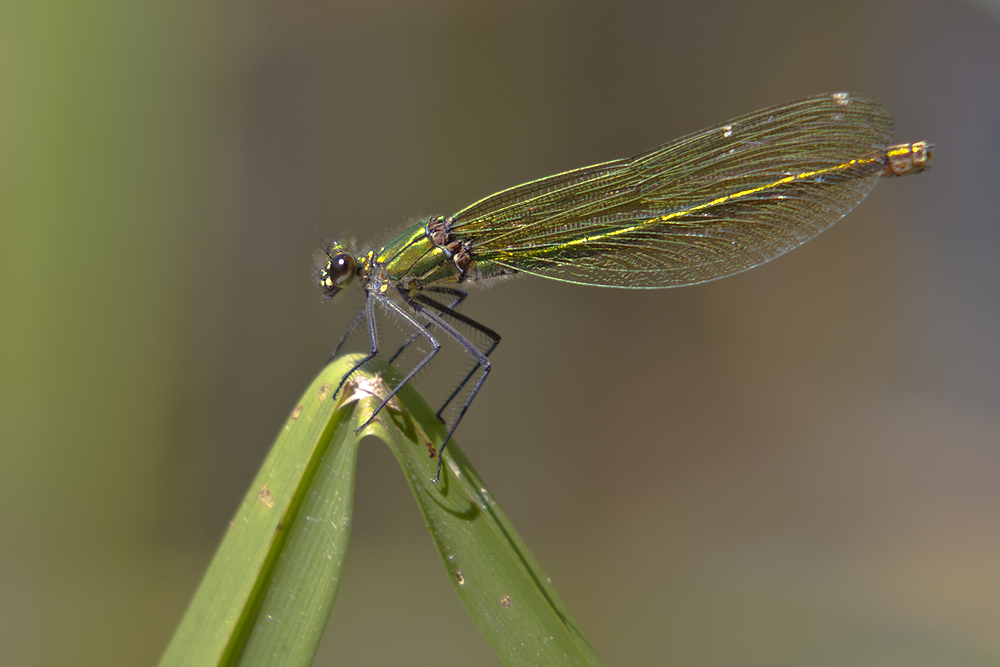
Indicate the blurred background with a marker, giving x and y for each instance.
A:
(798, 465)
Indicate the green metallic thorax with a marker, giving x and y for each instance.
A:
(413, 257)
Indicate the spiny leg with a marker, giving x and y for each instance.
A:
(471, 323)
(421, 330)
(459, 298)
(350, 329)
(471, 349)
(369, 311)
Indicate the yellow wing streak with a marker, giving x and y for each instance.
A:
(716, 202)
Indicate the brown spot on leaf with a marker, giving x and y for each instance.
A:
(505, 602)
(431, 450)
(266, 497)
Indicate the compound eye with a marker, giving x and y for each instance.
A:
(337, 272)
(341, 268)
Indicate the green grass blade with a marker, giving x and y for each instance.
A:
(498, 580)
(267, 594)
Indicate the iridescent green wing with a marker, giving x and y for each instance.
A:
(699, 208)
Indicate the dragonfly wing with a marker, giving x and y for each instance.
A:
(702, 207)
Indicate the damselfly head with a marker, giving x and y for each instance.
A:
(336, 267)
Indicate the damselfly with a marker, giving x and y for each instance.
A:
(703, 207)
